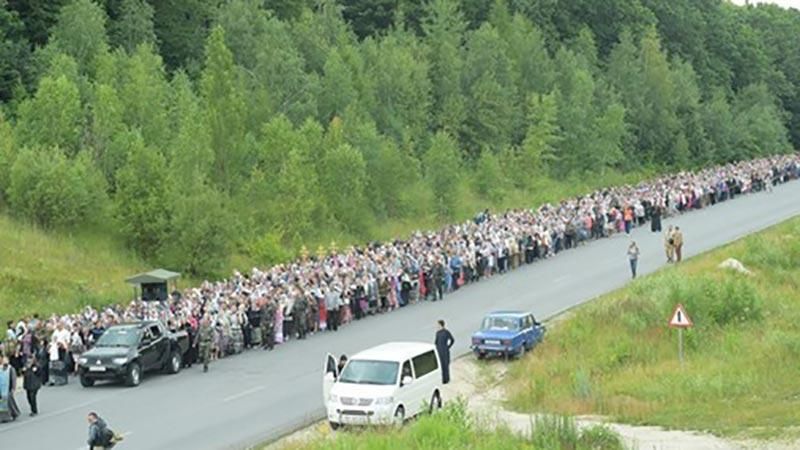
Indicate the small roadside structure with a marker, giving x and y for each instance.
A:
(153, 285)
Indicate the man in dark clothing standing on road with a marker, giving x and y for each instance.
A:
(444, 340)
(32, 382)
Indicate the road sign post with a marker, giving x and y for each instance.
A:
(680, 320)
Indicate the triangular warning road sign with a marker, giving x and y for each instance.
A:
(679, 318)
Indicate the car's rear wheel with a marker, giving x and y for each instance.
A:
(174, 363)
(134, 375)
(86, 382)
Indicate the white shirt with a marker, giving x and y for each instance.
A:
(61, 337)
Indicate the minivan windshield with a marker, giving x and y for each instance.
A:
(500, 323)
(360, 371)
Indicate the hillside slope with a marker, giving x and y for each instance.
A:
(54, 272)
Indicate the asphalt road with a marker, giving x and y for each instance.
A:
(261, 395)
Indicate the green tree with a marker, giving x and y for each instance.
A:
(442, 164)
(492, 109)
(576, 114)
(758, 124)
(225, 106)
(53, 191)
(288, 9)
(38, 17)
(106, 131)
(81, 33)
(538, 151)
(275, 70)
(8, 154)
(317, 33)
(532, 66)
(343, 178)
(717, 119)
(142, 201)
(189, 151)
(182, 27)
(14, 52)
(489, 178)
(144, 93)
(444, 27)
(53, 117)
(369, 17)
(402, 88)
(390, 170)
(134, 26)
(337, 87)
(200, 241)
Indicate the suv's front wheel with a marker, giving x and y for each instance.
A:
(86, 382)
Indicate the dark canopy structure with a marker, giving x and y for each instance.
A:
(154, 284)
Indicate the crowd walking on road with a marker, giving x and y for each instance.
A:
(266, 307)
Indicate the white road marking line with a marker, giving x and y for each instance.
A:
(244, 393)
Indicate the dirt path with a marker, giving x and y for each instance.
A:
(479, 385)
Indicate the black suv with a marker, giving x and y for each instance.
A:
(126, 351)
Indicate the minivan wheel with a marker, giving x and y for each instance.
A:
(134, 375)
(436, 402)
(399, 416)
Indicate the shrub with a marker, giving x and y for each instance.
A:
(53, 191)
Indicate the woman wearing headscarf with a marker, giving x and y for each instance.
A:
(8, 384)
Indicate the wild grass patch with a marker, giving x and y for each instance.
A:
(617, 357)
(454, 428)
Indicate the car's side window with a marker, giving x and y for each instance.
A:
(155, 332)
(425, 363)
(406, 372)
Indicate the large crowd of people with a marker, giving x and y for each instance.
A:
(271, 306)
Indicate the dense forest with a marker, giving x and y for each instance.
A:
(199, 129)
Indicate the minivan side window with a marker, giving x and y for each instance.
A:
(406, 372)
(425, 363)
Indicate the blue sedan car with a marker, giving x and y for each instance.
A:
(507, 333)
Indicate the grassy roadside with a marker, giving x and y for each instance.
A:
(53, 272)
(616, 356)
(49, 272)
(455, 428)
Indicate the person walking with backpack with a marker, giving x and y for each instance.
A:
(101, 437)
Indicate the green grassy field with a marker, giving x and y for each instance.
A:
(453, 428)
(53, 272)
(49, 272)
(617, 357)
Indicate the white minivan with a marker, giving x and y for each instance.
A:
(383, 385)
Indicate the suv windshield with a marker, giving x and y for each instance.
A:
(370, 372)
(500, 323)
(119, 337)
